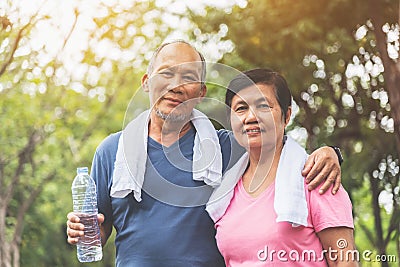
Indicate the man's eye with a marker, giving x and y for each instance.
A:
(189, 78)
(240, 108)
(166, 73)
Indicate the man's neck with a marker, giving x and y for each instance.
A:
(167, 132)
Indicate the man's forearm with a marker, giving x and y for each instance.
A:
(105, 232)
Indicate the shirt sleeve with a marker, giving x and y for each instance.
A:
(102, 171)
(329, 210)
(100, 177)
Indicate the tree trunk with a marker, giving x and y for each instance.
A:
(398, 244)
(5, 261)
(9, 255)
(392, 84)
(5, 253)
(15, 252)
(392, 68)
(380, 244)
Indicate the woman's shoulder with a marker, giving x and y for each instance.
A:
(341, 194)
(329, 210)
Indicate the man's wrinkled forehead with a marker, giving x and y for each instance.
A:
(193, 68)
(174, 54)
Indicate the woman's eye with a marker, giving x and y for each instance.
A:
(264, 106)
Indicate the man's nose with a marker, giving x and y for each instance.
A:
(175, 84)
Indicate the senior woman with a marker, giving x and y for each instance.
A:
(263, 213)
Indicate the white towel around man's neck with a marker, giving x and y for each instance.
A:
(290, 201)
(131, 157)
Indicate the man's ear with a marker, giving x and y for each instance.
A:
(202, 93)
(288, 114)
(203, 90)
(145, 80)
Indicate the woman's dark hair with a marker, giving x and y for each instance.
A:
(261, 76)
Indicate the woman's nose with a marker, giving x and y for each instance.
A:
(251, 116)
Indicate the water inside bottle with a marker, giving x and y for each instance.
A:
(89, 245)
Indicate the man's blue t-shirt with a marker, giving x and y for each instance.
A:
(170, 226)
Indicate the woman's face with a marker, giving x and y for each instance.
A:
(256, 118)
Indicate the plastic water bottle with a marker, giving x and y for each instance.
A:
(84, 199)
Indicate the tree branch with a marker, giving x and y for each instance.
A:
(367, 232)
(2, 164)
(76, 13)
(395, 217)
(393, 225)
(376, 189)
(26, 205)
(23, 157)
(18, 39)
(13, 49)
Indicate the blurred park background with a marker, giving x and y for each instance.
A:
(68, 70)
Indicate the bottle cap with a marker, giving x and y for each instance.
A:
(82, 170)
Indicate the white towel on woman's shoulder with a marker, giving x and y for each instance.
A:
(290, 200)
